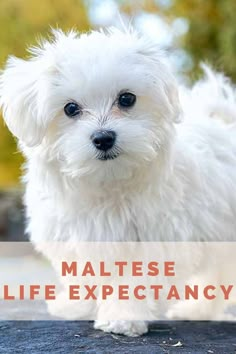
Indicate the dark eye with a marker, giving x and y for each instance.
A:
(126, 100)
(72, 109)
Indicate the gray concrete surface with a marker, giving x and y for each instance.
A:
(73, 337)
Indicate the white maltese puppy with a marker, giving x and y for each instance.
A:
(96, 117)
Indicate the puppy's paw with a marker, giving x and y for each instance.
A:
(127, 328)
(61, 309)
(64, 308)
(191, 310)
(175, 313)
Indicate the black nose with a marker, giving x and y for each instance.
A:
(103, 139)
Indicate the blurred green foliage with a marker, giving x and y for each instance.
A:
(212, 32)
(211, 37)
(212, 28)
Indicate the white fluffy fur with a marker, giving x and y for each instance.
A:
(170, 182)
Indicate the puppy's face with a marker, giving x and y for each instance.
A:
(101, 105)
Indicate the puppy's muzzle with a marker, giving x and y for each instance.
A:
(103, 140)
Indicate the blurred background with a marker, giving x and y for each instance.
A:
(190, 30)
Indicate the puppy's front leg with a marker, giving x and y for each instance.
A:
(65, 308)
(202, 309)
(111, 317)
(127, 328)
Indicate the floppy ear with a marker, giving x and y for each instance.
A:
(24, 87)
(161, 74)
(167, 85)
(174, 102)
